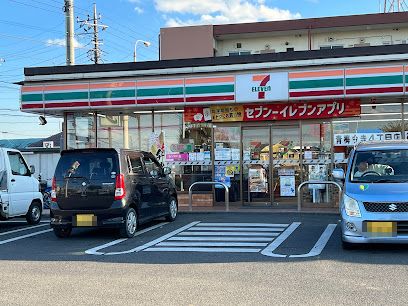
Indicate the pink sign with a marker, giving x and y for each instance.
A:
(177, 157)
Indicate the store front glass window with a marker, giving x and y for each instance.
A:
(80, 131)
(316, 150)
(227, 148)
(112, 130)
(189, 156)
(378, 122)
(255, 162)
(168, 131)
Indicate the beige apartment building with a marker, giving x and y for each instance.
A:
(284, 36)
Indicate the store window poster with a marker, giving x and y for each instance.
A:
(220, 176)
(287, 186)
(258, 180)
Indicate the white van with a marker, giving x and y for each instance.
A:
(19, 190)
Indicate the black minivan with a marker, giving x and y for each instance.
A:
(110, 188)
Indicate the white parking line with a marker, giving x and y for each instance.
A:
(206, 250)
(158, 240)
(220, 239)
(263, 234)
(244, 229)
(212, 244)
(320, 244)
(21, 229)
(245, 224)
(94, 251)
(25, 236)
(268, 251)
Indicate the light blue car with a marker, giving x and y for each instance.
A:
(374, 204)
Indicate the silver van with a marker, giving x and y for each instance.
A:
(374, 204)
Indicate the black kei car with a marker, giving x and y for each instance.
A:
(110, 188)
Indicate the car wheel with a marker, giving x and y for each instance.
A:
(173, 210)
(62, 232)
(33, 215)
(129, 227)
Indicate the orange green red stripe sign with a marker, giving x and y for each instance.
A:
(377, 80)
(210, 89)
(312, 84)
(322, 83)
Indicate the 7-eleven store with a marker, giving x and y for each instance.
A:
(261, 124)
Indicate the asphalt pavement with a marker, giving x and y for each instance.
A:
(200, 259)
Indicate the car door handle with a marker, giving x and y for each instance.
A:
(13, 180)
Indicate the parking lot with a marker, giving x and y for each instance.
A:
(257, 256)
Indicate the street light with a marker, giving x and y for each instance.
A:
(145, 43)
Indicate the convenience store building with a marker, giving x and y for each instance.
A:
(261, 123)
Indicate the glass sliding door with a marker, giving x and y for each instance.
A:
(255, 165)
(227, 157)
(286, 161)
(317, 163)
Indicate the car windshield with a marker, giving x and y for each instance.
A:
(380, 166)
(90, 165)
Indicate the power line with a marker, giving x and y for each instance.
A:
(33, 6)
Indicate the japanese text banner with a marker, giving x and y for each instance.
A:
(304, 110)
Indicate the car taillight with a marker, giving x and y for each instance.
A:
(54, 190)
(120, 191)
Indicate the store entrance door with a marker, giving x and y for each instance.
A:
(256, 166)
(286, 160)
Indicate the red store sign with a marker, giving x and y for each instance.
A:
(273, 111)
(302, 110)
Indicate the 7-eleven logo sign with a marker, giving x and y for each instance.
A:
(262, 86)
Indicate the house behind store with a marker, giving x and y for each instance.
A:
(261, 107)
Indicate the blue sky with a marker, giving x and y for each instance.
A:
(32, 34)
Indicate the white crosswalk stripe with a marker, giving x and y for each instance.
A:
(220, 237)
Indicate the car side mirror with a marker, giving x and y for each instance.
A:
(32, 169)
(338, 174)
(166, 171)
(154, 173)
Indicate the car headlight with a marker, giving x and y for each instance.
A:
(351, 206)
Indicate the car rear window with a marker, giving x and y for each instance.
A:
(89, 165)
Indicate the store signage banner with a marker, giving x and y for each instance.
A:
(275, 111)
(352, 139)
(305, 110)
(227, 113)
(197, 114)
(262, 87)
(182, 147)
(177, 157)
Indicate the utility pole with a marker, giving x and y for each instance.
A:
(93, 24)
(69, 24)
(95, 39)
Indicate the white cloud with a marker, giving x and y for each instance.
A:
(138, 10)
(60, 42)
(220, 11)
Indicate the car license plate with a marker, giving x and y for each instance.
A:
(86, 220)
(381, 229)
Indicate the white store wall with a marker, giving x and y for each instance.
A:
(44, 163)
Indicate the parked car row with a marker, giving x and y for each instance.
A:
(91, 188)
(124, 188)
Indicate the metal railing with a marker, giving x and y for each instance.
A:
(316, 182)
(190, 193)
